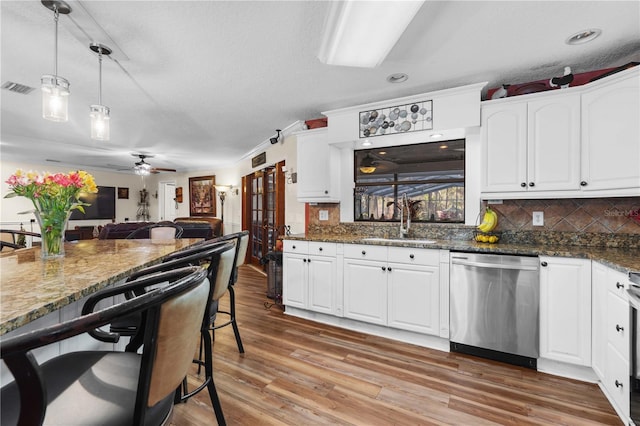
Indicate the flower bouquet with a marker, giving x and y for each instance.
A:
(54, 196)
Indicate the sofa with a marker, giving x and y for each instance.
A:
(193, 227)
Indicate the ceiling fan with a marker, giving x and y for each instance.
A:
(143, 168)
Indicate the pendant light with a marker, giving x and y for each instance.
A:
(367, 165)
(55, 89)
(99, 113)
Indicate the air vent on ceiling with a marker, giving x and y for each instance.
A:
(18, 88)
(53, 161)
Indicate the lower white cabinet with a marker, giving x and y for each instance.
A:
(310, 276)
(565, 310)
(611, 334)
(394, 286)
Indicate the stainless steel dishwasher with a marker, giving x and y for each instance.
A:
(494, 307)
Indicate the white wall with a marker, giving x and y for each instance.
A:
(11, 207)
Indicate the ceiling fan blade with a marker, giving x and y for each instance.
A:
(162, 169)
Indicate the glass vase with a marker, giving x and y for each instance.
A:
(53, 225)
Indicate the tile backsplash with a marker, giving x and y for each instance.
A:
(605, 222)
(591, 215)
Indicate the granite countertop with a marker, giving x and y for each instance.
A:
(621, 259)
(31, 287)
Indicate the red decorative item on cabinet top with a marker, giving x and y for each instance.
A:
(317, 123)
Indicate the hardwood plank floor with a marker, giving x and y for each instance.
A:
(297, 372)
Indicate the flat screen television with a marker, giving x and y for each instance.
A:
(103, 205)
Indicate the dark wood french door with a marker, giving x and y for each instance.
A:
(263, 210)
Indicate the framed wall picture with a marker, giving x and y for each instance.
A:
(123, 193)
(202, 200)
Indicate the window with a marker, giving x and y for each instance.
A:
(430, 174)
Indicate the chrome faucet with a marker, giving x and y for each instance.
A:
(404, 203)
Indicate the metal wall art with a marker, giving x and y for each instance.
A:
(412, 117)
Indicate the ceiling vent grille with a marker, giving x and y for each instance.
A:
(17, 88)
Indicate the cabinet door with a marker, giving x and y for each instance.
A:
(414, 297)
(610, 134)
(365, 291)
(504, 147)
(318, 167)
(553, 144)
(294, 280)
(322, 284)
(565, 310)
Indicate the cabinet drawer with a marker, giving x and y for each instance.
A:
(322, 249)
(618, 324)
(415, 256)
(294, 246)
(362, 251)
(617, 379)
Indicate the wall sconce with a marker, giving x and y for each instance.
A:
(275, 140)
(99, 113)
(289, 175)
(222, 194)
(55, 89)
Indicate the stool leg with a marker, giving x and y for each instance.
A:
(232, 310)
(208, 368)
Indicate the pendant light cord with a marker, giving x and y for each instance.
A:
(99, 75)
(55, 50)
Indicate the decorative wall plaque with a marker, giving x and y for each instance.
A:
(412, 117)
(259, 159)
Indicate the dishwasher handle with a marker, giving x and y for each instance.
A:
(465, 262)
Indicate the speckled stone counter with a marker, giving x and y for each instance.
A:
(622, 259)
(31, 287)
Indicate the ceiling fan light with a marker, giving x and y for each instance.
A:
(367, 165)
(100, 122)
(368, 169)
(55, 98)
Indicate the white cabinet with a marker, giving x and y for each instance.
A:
(565, 310)
(610, 134)
(394, 286)
(318, 167)
(531, 146)
(310, 276)
(611, 338)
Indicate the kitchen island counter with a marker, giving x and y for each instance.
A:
(31, 287)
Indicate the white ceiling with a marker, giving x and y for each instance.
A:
(201, 83)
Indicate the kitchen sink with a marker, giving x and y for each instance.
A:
(399, 240)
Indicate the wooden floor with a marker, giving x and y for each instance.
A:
(298, 372)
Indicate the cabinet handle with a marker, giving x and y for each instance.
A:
(523, 184)
(320, 249)
(618, 384)
(364, 252)
(532, 184)
(618, 328)
(326, 192)
(543, 263)
(309, 260)
(384, 268)
(618, 285)
(389, 269)
(293, 247)
(583, 183)
(304, 260)
(411, 256)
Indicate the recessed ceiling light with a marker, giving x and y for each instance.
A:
(382, 152)
(366, 142)
(584, 36)
(444, 146)
(398, 77)
(436, 135)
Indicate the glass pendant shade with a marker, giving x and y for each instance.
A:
(99, 122)
(55, 98)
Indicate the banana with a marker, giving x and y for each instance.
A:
(489, 221)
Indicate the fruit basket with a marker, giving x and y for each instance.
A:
(484, 237)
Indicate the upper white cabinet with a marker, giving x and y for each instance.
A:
(531, 146)
(565, 310)
(577, 142)
(611, 135)
(318, 167)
